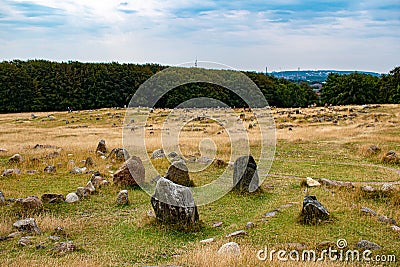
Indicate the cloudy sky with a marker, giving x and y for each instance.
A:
(247, 35)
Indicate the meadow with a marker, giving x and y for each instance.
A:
(317, 142)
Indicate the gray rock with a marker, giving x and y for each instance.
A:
(332, 183)
(27, 225)
(311, 182)
(179, 174)
(208, 240)
(54, 238)
(387, 188)
(204, 160)
(89, 162)
(50, 169)
(64, 247)
(270, 214)
(122, 197)
(24, 241)
(16, 158)
(172, 154)
(119, 154)
(2, 198)
(52, 198)
(101, 147)
(158, 154)
(90, 188)
(373, 149)
(368, 189)
(395, 228)
(386, 219)
(237, 233)
(8, 172)
(173, 203)
(313, 211)
(3, 149)
(77, 170)
(245, 175)
(249, 225)
(229, 249)
(82, 192)
(131, 172)
(30, 204)
(217, 224)
(365, 244)
(71, 198)
(368, 211)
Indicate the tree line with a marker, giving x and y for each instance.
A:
(41, 85)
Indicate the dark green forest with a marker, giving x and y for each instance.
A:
(40, 85)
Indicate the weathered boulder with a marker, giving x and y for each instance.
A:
(52, 198)
(30, 204)
(71, 198)
(179, 174)
(16, 158)
(119, 154)
(131, 172)
(50, 169)
(245, 175)
(122, 197)
(158, 154)
(174, 203)
(386, 219)
(172, 154)
(27, 225)
(313, 211)
(101, 147)
(229, 249)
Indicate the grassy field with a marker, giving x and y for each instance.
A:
(313, 142)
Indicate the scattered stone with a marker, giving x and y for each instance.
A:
(386, 219)
(71, 198)
(89, 162)
(16, 158)
(368, 211)
(8, 172)
(59, 230)
(30, 204)
(82, 192)
(217, 224)
(2, 198)
(204, 160)
(365, 244)
(395, 228)
(296, 246)
(52, 155)
(270, 214)
(207, 241)
(64, 247)
(122, 197)
(179, 173)
(131, 172)
(311, 182)
(54, 238)
(15, 234)
(119, 154)
(31, 172)
(3, 238)
(313, 211)
(230, 249)
(52, 198)
(158, 154)
(368, 189)
(27, 225)
(387, 188)
(172, 154)
(173, 203)
(332, 183)
(96, 180)
(101, 147)
(50, 169)
(77, 170)
(3, 149)
(237, 233)
(373, 149)
(90, 188)
(249, 225)
(40, 246)
(245, 175)
(24, 241)
(391, 157)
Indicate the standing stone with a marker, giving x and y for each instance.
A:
(179, 174)
(27, 226)
(71, 198)
(101, 147)
(52, 198)
(119, 154)
(174, 204)
(122, 197)
(16, 158)
(158, 154)
(313, 211)
(245, 175)
(131, 173)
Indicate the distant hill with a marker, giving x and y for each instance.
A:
(313, 75)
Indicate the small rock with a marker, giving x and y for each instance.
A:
(270, 214)
(30, 204)
(387, 188)
(326, 245)
(219, 163)
(249, 225)
(8, 172)
(391, 157)
(40, 246)
(122, 197)
(52, 198)
(59, 230)
(2, 198)
(208, 240)
(89, 162)
(77, 170)
(365, 244)
(64, 247)
(230, 249)
(12, 235)
(31, 172)
(101, 147)
(54, 238)
(172, 154)
(386, 219)
(204, 160)
(217, 224)
(368, 211)
(373, 149)
(27, 225)
(368, 189)
(82, 192)
(158, 154)
(119, 154)
(395, 228)
(311, 182)
(237, 233)
(71, 198)
(3, 149)
(24, 241)
(16, 158)
(313, 211)
(50, 169)
(90, 187)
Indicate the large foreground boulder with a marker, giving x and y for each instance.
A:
(178, 173)
(131, 173)
(174, 204)
(313, 211)
(245, 175)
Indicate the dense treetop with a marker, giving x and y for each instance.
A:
(39, 85)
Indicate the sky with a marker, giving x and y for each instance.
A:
(246, 35)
